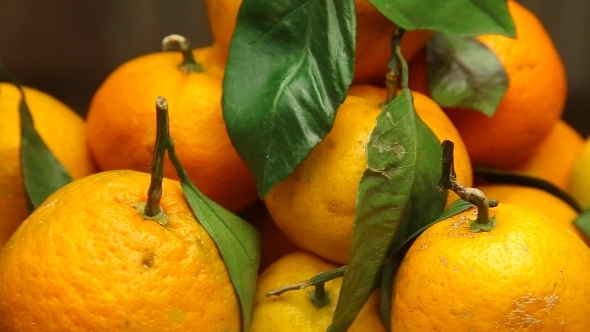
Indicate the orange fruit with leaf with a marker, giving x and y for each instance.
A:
(122, 112)
(373, 39)
(62, 130)
(315, 205)
(301, 309)
(527, 113)
(95, 263)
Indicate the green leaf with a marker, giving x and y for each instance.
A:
(396, 196)
(456, 207)
(42, 172)
(289, 68)
(582, 221)
(516, 178)
(464, 17)
(238, 243)
(463, 72)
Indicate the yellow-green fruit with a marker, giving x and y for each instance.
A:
(294, 311)
(579, 181)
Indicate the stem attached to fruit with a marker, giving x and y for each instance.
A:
(151, 209)
(319, 296)
(448, 181)
(392, 78)
(189, 64)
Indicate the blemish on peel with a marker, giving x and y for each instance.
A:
(469, 235)
(550, 302)
(177, 315)
(521, 316)
(148, 259)
(422, 247)
(464, 314)
(443, 261)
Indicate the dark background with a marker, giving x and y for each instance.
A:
(66, 47)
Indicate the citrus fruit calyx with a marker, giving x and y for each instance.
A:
(318, 296)
(189, 64)
(160, 217)
(448, 181)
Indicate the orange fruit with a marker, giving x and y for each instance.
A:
(554, 158)
(373, 39)
(532, 105)
(95, 264)
(293, 310)
(62, 130)
(529, 273)
(273, 243)
(315, 205)
(122, 115)
(537, 199)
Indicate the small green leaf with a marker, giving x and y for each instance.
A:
(238, 243)
(42, 172)
(396, 196)
(289, 68)
(582, 221)
(464, 17)
(463, 72)
(456, 207)
(516, 178)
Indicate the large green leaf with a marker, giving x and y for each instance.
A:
(289, 68)
(465, 17)
(463, 72)
(237, 240)
(42, 172)
(397, 193)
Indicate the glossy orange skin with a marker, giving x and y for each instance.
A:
(554, 158)
(527, 274)
(93, 263)
(122, 124)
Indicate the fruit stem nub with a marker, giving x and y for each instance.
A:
(189, 64)
(448, 181)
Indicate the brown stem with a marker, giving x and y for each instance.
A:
(318, 296)
(189, 64)
(392, 78)
(151, 209)
(449, 181)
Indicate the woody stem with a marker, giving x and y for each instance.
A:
(189, 64)
(449, 181)
(154, 194)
